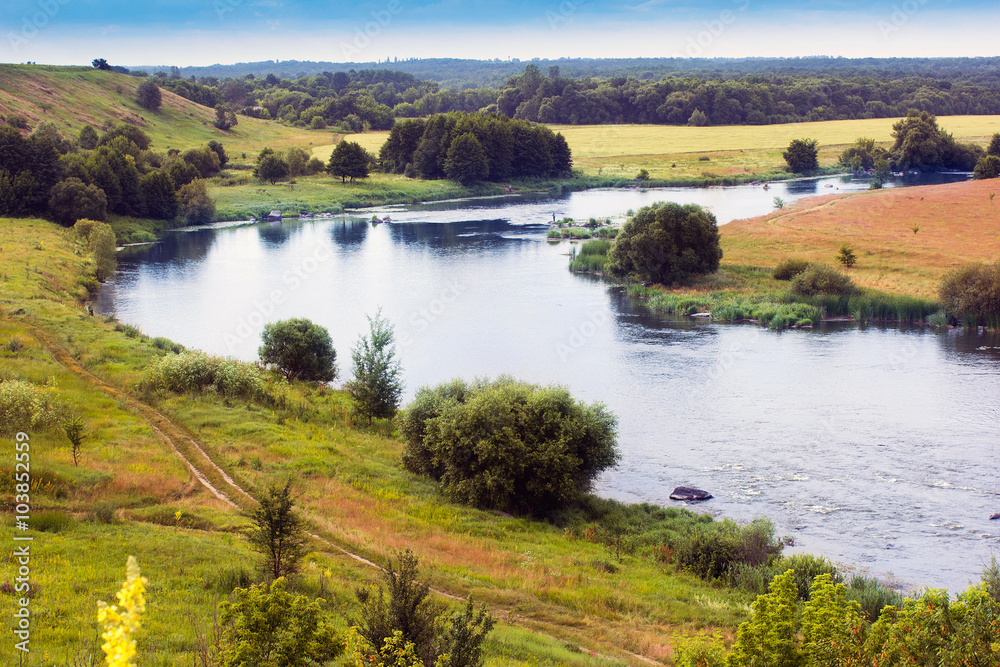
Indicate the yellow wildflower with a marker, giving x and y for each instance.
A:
(121, 621)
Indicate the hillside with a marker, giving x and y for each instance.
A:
(73, 97)
(906, 239)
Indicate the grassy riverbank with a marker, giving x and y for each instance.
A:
(571, 594)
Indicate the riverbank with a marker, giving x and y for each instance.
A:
(572, 594)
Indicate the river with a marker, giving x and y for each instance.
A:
(875, 446)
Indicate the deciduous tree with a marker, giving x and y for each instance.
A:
(377, 385)
(300, 350)
(349, 160)
(666, 243)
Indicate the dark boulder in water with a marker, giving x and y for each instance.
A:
(995, 516)
(689, 493)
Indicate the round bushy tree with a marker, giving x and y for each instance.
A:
(71, 200)
(197, 207)
(349, 160)
(300, 350)
(148, 96)
(665, 243)
(801, 155)
(508, 445)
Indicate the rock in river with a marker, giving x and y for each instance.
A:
(995, 516)
(689, 493)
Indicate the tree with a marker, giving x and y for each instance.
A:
(219, 150)
(508, 445)
(102, 244)
(197, 208)
(300, 350)
(267, 626)
(666, 243)
(271, 168)
(130, 132)
(801, 155)
(466, 161)
(698, 118)
(88, 137)
(987, 167)
(297, 160)
(71, 200)
(349, 160)
(376, 387)
(400, 604)
(277, 532)
(147, 95)
(225, 117)
(73, 427)
(994, 147)
(917, 141)
(972, 294)
(204, 159)
(846, 256)
(159, 195)
(100, 63)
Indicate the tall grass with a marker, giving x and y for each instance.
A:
(592, 257)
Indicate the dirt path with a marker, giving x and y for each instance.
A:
(225, 488)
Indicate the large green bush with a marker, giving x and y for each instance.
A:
(822, 279)
(667, 243)
(508, 445)
(972, 294)
(790, 268)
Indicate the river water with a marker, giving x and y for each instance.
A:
(875, 446)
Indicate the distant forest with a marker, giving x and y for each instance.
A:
(754, 91)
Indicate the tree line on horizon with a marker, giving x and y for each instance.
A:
(372, 99)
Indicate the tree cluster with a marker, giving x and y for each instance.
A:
(675, 93)
(919, 144)
(470, 147)
(508, 445)
(45, 174)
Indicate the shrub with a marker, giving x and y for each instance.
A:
(267, 625)
(872, 596)
(790, 268)
(51, 522)
(972, 294)
(508, 445)
(196, 371)
(822, 279)
(801, 155)
(666, 243)
(712, 550)
(25, 406)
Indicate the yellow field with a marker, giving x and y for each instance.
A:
(675, 151)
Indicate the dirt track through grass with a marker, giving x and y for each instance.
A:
(220, 484)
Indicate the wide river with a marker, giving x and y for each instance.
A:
(875, 446)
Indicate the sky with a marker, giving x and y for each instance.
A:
(205, 32)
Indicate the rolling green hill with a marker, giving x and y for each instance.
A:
(73, 97)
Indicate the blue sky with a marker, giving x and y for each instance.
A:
(201, 32)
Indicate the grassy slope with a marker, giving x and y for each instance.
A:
(535, 577)
(955, 224)
(76, 96)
